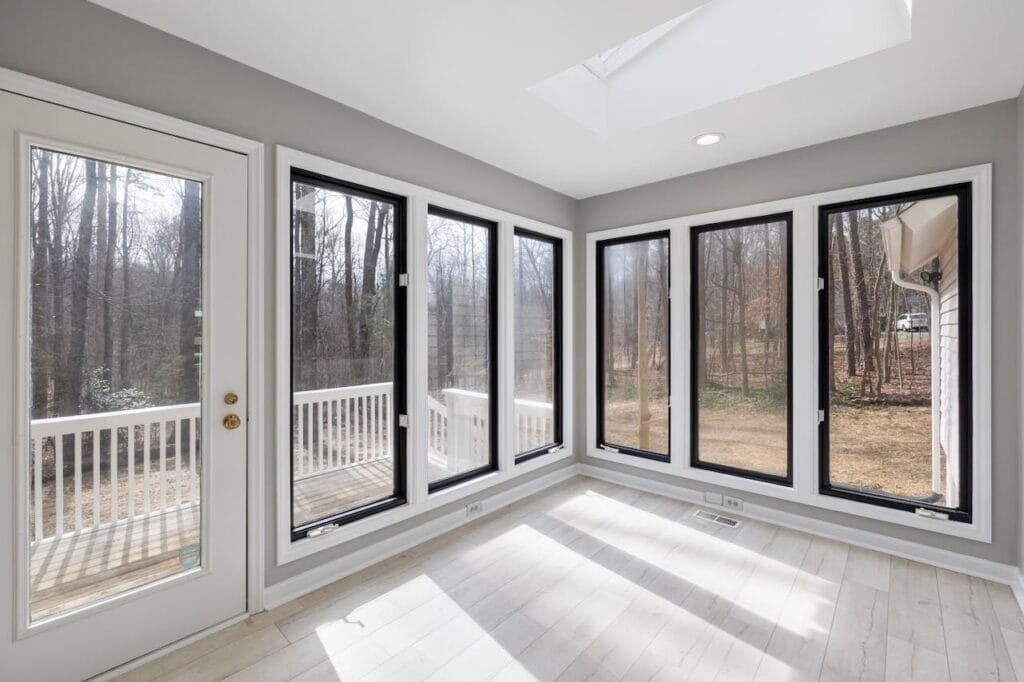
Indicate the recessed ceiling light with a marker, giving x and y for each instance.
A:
(708, 139)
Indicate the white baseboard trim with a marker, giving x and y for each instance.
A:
(1018, 587)
(324, 574)
(941, 558)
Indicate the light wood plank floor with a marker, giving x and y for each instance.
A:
(592, 581)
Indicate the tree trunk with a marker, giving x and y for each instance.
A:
(723, 338)
(42, 355)
(702, 332)
(58, 350)
(108, 275)
(75, 370)
(126, 310)
(889, 323)
(741, 305)
(376, 226)
(95, 344)
(191, 291)
(642, 367)
(861, 292)
(350, 313)
(845, 287)
(767, 307)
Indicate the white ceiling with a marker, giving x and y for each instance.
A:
(458, 72)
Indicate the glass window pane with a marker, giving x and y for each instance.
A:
(460, 309)
(741, 347)
(634, 344)
(894, 316)
(343, 349)
(116, 350)
(536, 288)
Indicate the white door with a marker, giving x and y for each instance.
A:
(122, 357)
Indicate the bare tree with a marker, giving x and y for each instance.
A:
(42, 370)
(190, 236)
(126, 268)
(107, 285)
(844, 287)
(860, 290)
(74, 372)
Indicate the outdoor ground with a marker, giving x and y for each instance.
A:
(879, 448)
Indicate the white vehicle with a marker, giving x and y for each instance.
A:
(912, 322)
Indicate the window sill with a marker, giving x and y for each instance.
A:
(808, 496)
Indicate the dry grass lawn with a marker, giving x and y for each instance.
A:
(878, 448)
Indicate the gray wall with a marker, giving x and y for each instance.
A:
(84, 46)
(981, 135)
(1020, 190)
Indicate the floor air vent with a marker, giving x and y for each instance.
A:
(710, 516)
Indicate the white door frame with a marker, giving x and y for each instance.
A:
(54, 93)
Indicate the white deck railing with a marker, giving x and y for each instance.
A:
(336, 428)
(119, 440)
(113, 480)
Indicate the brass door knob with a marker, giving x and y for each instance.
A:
(230, 398)
(232, 422)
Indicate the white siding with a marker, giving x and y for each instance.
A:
(949, 352)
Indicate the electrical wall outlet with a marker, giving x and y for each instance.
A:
(713, 498)
(734, 503)
(474, 508)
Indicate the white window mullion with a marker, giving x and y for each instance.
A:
(417, 349)
(679, 345)
(506, 348)
(805, 350)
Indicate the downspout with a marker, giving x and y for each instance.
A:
(933, 323)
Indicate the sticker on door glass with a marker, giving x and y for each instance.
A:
(189, 556)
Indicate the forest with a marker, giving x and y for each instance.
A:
(636, 336)
(741, 336)
(880, 376)
(116, 301)
(343, 268)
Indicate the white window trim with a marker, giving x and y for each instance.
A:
(419, 501)
(805, 355)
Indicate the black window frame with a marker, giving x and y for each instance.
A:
(599, 271)
(492, 323)
(964, 194)
(399, 395)
(695, 461)
(557, 346)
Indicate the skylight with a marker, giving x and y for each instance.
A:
(608, 62)
(722, 50)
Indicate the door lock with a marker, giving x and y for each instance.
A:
(232, 422)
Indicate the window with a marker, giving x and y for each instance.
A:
(462, 347)
(740, 353)
(537, 290)
(895, 340)
(632, 345)
(347, 350)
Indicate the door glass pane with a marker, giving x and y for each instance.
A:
(894, 333)
(116, 349)
(741, 355)
(635, 337)
(536, 289)
(459, 366)
(343, 349)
